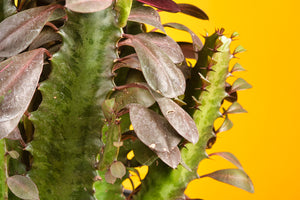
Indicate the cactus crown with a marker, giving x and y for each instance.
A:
(71, 111)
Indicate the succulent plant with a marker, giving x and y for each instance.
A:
(76, 74)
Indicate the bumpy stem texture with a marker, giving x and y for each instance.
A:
(69, 120)
(6, 9)
(3, 186)
(163, 183)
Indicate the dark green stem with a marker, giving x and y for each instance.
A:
(6, 9)
(68, 122)
(3, 170)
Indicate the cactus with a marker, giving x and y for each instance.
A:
(65, 117)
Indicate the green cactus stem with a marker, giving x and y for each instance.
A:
(69, 120)
(3, 170)
(6, 9)
(165, 184)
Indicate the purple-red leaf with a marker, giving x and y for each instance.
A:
(146, 15)
(166, 44)
(18, 31)
(133, 94)
(187, 50)
(109, 177)
(153, 129)
(160, 72)
(235, 177)
(14, 135)
(47, 35)
(192, 11)
(228, 156)
(196, 41)
(171, 158)
(23, 187)
(166, 5)
(130, 61)
(178, 118)
(19, 77)
(88, 6)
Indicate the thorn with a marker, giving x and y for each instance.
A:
(220, 31)
(220, 114)
(48, 54)
(97, 178)
(213, 50)
(27, 114)
(197, 102)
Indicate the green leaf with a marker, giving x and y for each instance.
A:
(228, 156)
(234, 35)
(234, 108)
(118, 169)
(16, 35)
(13, 154)
(240, 84)
(19, 77)
(239, 49)
(146, 15)
(88, 6)
(192, 11)
(235, 177)
(23, 187)
(178, 118)
(227, 124)
(236, 68)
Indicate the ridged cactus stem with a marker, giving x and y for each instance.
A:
(6, 9)
(165, 184)
(69, 120)
(3, 171)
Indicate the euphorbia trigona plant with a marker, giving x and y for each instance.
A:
(76, 74)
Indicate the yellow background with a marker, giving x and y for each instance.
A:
(266, 139)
